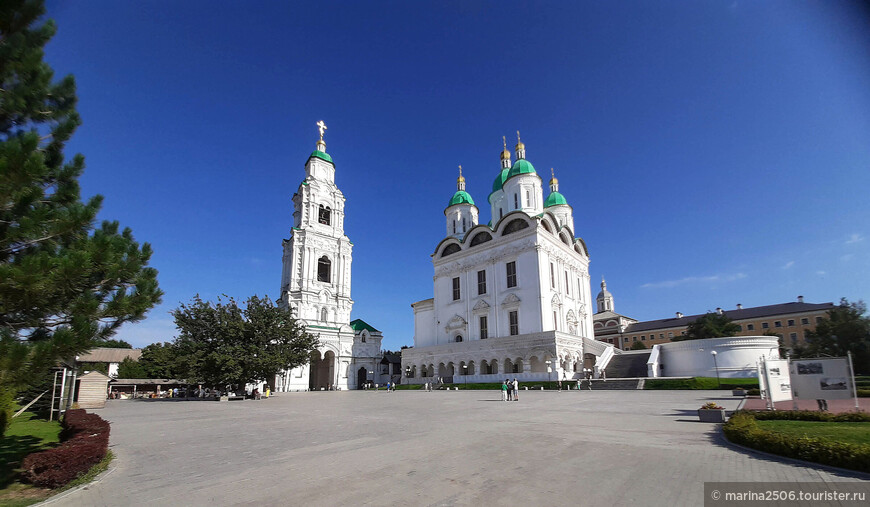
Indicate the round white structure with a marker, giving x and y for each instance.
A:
(735, 356)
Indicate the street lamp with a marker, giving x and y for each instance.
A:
(372, 375)
(716, 365)
(549, 370)
(465, 374)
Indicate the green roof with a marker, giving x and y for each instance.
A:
(323, 327)
(521, 166)
(555, 199)
(359, 325)
(322, 155)
(499, 180)
(461, 197)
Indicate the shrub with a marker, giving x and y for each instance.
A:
(6, 407)
(743, 429)
(85, 440)
(807, 415)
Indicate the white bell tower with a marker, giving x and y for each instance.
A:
(315, 279)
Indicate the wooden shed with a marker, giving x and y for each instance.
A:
(92, 390)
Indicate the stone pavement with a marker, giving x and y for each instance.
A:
(416, 448)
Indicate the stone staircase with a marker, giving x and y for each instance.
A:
(631, 364)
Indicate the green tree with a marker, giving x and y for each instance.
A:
(845, 329)
(130, 368)
(637, 346)
(223, 343)
(160, 360)
(65, 284)
(711, 325)
(115, 344)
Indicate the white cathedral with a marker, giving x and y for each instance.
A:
(512, 297)
(315, 284)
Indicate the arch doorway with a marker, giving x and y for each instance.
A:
(361, 377)
(321, 371)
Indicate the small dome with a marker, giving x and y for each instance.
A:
(321, 155)
(500, 179)
(604, 294)
(520, 146)
(555, 199)
(521, 166)
(505, 155)
(461, 197)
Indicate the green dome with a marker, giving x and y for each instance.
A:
(521, 166)
(555, 199)
(461, 197)
(499, 180)
(322, 155)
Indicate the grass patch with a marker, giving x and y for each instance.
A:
(844, 432)
(697, 383)
(26, 434)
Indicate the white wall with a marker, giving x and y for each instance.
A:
(736, 356)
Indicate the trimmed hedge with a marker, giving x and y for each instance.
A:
(701, 383)
(743, 429)
(85, 441)
(807, 415)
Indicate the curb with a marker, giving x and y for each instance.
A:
(795, 461)
(68, 492)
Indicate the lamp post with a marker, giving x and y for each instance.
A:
(716, 365)
(549, 370)
(372, 380)
(465, 374)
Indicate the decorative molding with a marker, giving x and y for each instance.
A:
(511, 300)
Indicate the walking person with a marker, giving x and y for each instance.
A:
(504, 391)
(516, 390)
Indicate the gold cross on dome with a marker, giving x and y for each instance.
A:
(322, 127)
(460, 170)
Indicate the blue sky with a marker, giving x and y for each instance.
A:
(714, 152)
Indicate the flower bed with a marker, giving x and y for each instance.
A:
(743, 429)
(85, 440)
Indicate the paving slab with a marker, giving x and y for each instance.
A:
(427, 448)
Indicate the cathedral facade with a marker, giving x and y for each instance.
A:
(316, 282)
(511, 298)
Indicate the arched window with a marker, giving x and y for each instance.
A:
(500, 213)
(516, 202)
(458, 338)
(323, 315)
(515, 226)
(324, 268)
(528, 199)
(450, 249)
(463, 224)
(324, 215)
(454, 227)
(480, 237)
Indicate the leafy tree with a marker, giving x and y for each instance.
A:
(711, 325)
(130, 368)
(160, 360)
(845, 329)
(222, 343)
(114, 344)
(64, 283)
(637, 346)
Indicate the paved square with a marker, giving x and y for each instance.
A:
(419, 448)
